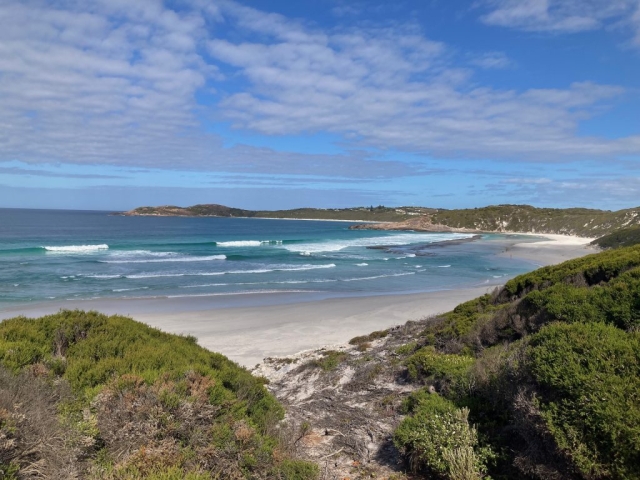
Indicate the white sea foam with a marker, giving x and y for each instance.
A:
(392, 240)
(248, 243)
(275, 268)
(171, 259)
(444, 266)
(160, 275)
(77, 248)
(105, 277)
(378, 276)
(146, 253)
(284, 282)
(361, 264)
(248, 292)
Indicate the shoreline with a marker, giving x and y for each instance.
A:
(286, 324)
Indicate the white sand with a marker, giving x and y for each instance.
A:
(556, 249)
(249, 334)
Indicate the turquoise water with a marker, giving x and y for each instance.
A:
(67, 255)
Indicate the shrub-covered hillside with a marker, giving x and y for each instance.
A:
(525, 218)
(83, 395)
(541, 379)
(625, 237)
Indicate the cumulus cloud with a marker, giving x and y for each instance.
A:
(115, 83)
(394, 88)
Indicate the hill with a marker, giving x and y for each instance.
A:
(498, 218)
(374, 214)
(625, 237)
(83, 395)
(519, 218)
(540, 380)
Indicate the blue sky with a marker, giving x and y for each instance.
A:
(113, 104)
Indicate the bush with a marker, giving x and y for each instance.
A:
(586, 271)
(616, 302)
(143, 403)
(450, 371)
(298, 470)
(625, 237)
(589, 392)
(438, 438)
(369, 338)
(329, 361)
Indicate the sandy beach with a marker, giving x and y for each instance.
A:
(287, 324)
(555, 249)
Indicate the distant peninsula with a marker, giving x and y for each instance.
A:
(370, 214)
(495, 218)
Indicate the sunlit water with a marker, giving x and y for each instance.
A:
(67, 255)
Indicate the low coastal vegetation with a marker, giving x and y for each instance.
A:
(546, 369)
(625, 237)
(83, 395)
(496, 218)
(525, 218)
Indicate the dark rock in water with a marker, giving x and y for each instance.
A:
(420, 250)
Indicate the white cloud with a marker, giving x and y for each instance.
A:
(528, 181)
(561, 16)
(492, 60)
(636, 25)
(115, 82)
(394, 88)
(615, 191)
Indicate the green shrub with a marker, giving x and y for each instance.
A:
(298, 470)
(426, 363)
(407, 349)
(439, 439)
(329, 361)
(589, 384)
(625, 237)
(616, 302)
(588, 270)
(369, 338)
(161, 405)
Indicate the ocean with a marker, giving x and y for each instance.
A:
(50, 255)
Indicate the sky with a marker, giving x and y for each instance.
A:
(271, 104)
